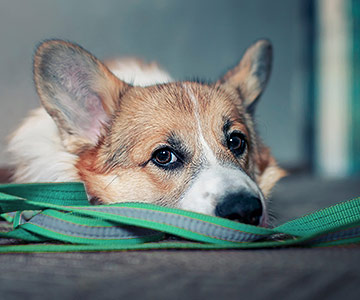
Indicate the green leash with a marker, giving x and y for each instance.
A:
(56, 217)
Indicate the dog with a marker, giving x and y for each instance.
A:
(130, 133)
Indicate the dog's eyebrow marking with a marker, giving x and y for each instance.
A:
(178, 145)
(174, 141)
(209, 154)
(227, 124)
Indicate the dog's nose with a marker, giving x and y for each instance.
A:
(242, 207)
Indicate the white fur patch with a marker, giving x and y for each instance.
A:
(212, 184)
(208, 153)
(131, 72)
(215, 181)
(37, 151)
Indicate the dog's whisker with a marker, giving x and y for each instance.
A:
(112, 180)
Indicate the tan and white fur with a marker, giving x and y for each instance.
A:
(131, 133)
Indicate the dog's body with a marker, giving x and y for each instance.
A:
(139, 136)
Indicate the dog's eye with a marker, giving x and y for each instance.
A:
(164, 158)
(237, 143)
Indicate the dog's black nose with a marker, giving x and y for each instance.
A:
(242, 207)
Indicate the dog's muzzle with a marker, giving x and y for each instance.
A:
(243, 207)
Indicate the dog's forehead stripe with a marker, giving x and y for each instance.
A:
(208, 153)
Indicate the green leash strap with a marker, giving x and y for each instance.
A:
(60, 212)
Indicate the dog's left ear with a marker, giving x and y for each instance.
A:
(250, 76)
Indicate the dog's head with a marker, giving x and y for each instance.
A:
(183, 144)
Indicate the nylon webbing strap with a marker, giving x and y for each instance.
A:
(56, 217)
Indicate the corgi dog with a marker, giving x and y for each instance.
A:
(130, 133)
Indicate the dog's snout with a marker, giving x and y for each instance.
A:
(243, 207)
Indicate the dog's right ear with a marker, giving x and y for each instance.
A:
(77, 90)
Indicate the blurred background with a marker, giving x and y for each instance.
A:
(309, 114)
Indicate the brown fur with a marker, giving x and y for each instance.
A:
(115, 163)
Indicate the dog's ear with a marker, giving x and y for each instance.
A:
(250, 76)
(77, 90)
